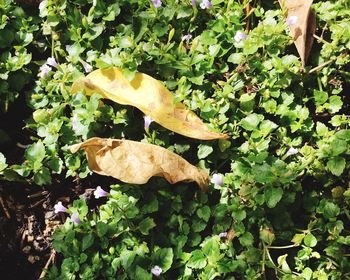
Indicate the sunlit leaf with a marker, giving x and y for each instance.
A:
(148, 95)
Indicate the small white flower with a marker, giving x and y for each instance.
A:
(240, 36)
(206, 4)
(157, 3)
(75, 218)
(292, 151)
(186, 37)
(75, 122)
(156, 270)
(99, 192)
(51, 61)
(291, 20)
(148, 121)
(59, 207)
(223, 234)
(87, 67)
(44, 71)
(216, 179)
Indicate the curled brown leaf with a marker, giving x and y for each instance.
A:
(304, 28)
(135, 162)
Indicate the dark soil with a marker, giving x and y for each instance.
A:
(27, 219)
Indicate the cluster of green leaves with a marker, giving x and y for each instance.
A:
(16, 33)
(285, 213)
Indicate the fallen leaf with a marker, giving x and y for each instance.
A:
(148, 95)
(304, 29)
(135, 162)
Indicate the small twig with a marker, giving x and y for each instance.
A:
(38, 194)
(4, 208)
(320, 66)
(37, 203)
(51, 259)
(22, 145)
(321, 39)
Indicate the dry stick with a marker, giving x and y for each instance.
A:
(37, 203)
(38, 194)
(52, 257)
(4, 208)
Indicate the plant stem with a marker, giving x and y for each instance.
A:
(283, 247)
(320, 66)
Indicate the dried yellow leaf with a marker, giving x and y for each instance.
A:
(304, 28)
(135, 163)
(148, 95)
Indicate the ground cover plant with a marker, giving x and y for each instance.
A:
(277, 205)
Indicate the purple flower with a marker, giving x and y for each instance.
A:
(217, 179)
(194, 3)
(75, 218)
(148, 121)
(186, 37)
(157, 3)
(99, 192)
(291, 20)
(206, 4)
(156, 270)
(59, 208)
(240, 36)
(44, 71)
(51, 61)
(292, 151)
(223, 234)
(87, 67)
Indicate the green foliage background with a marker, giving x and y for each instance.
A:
(286, 215)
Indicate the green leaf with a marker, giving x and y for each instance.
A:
(204, 213)
(263, 173)
(36, 152)
(338, 147)
(3, 164)
(251, 122)
(163, 258)
(239, 215)
(197, 260)
(246, 239)
(310, 240)
(236, 58)
(211, 249)
(336, 165)
(146, 225)
(320, 97)
(101, 229)
(87, 241)
(273, 196)
(42, 177)
(307, 273)
(204, 151)
(331, 210)
(282, 262)
(127, 257)
(335, 104)
(142, 274)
